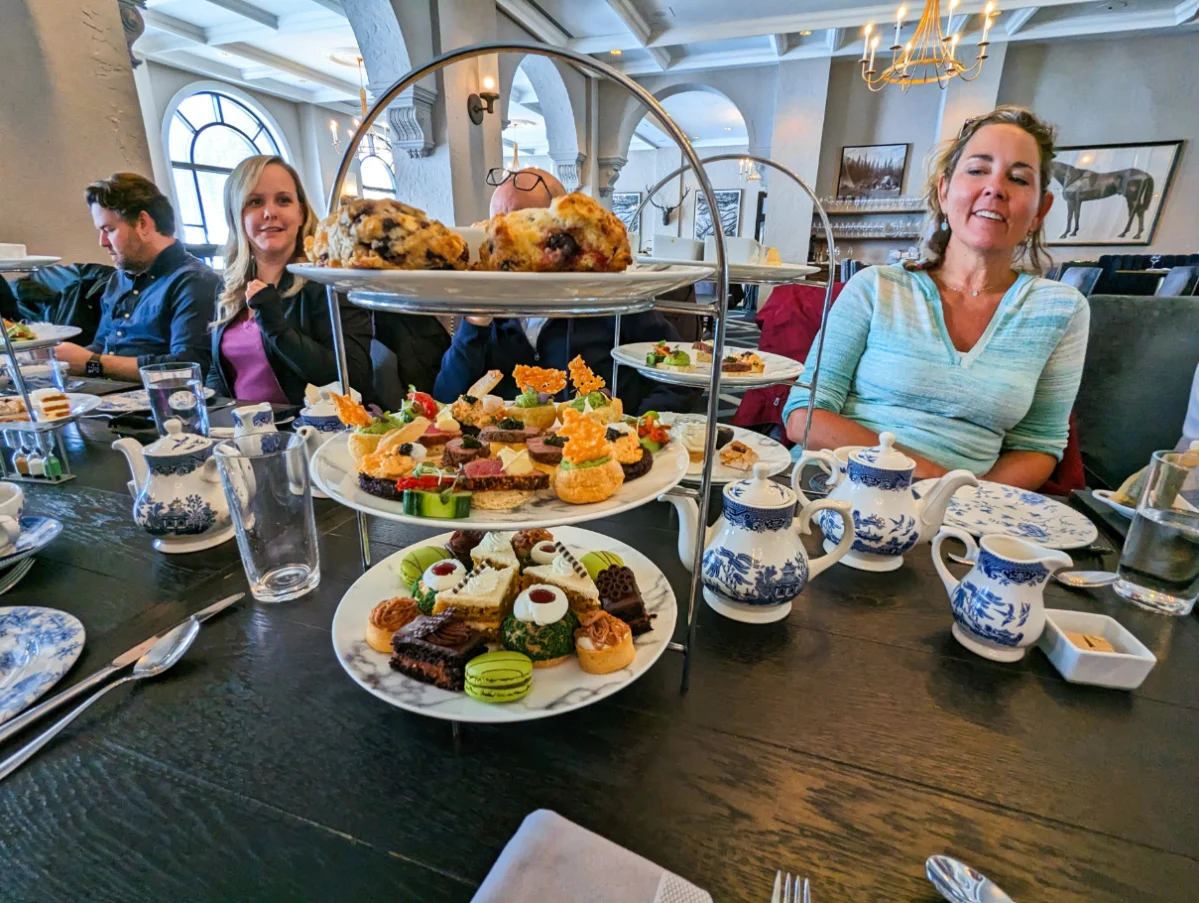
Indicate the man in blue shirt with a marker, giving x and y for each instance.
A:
(158, 304)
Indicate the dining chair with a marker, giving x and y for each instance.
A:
(1179, 282)
(1082, 278)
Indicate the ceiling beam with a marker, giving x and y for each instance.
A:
(334, 6)
(1015, 20)
(605, 42)
(533, 20)
(177, 27)
(640, 30)
(780, 44)
(282, 64)
(248, 11)
(299, 23)
(832, 39)
(226, 73)
(956, 25)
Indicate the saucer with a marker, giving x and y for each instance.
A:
(36, 534)
(746, 614)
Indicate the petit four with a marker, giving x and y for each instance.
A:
(575, 233)
(535, 406)
(702, 352)
(380, 233)
(417, 562)
(604, 643)
(588, 472)
(542, 553)
(386, 618)
(589, 399)
(438, 577)
(501, 676)
(50, 404)
(482, 599)
(434, 649)
(620, 596)
(503, 482)
(524, 542)
(462, 543)
(738, 455)
(542, 626)
(633, 459)
(566, 573)
(12, 409)
(494, 550)
(595, 562)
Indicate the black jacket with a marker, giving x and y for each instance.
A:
(503, 345)
(66, 295)
(298, 337)
(418, 343)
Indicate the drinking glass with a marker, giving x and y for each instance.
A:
(1159, 566)
(270, 496)
(176, 391)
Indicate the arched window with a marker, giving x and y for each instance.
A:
(209, 134)
(375, 172)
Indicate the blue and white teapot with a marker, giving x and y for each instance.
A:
(754, 561)
(177, 494)
(888, 516)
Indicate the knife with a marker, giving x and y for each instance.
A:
(124, 660)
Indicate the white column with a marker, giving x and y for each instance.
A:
(964, 100)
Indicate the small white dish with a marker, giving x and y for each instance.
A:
(1105, 496)
(739, 250)
(675, 248)
(1124, 669)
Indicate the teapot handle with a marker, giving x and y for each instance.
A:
(848, 535)
(971, 553)
(828, 463)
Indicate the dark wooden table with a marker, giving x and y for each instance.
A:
(848, 743)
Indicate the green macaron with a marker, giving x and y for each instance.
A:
(418, 561)
(599, 561)
(501, 676)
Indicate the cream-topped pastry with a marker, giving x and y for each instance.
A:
(567, 574)
(541, 604)
(495, 550)
(543, 553)
(442, 575)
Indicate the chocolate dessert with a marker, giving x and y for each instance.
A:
(381, 487)
(508, 431)
(524, 541)
(724, 435)
(546, 449)
(434, 649)
(461, 543)
(463, 450)
(621, 598)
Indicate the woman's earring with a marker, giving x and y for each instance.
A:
(944, 224)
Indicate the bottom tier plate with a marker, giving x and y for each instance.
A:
(563, 688)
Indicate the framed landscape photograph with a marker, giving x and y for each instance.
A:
(728, 203)
(872, 171)
(1109, 194)
(624, 205)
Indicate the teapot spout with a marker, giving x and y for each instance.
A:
(688, 521)
(931, 508)
(132, 450)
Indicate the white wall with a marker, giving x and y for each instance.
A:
(68, 115)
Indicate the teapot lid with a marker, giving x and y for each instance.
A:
(884, 455)
(177, 442)
(761, 491)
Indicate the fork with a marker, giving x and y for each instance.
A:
(13, 577)
(788, 889)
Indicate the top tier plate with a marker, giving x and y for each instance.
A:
(747, 273)
(489, 293)
(26, 264)
(48, 335)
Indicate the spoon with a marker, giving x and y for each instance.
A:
(959, 883)
(157, 659)
(1084, 579)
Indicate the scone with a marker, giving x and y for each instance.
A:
(574, 234)
(378, 233)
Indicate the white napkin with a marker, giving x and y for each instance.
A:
(552, 858)
(312, 394)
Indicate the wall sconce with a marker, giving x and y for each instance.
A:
(483, 102)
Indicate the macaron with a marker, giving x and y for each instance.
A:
(598, 561)
(500, 676)
(418, 561)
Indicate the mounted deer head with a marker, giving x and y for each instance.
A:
(666, 211)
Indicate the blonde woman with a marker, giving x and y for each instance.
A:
(970, 362)
(272, 334)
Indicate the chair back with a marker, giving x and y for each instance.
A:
(1082, 278)
(1179, 281)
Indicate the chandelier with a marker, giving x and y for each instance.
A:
(749, 170)
(931, 54)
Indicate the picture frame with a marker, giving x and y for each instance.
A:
(872, 171)
(624, 205)
(1110, 194)
(728, 204)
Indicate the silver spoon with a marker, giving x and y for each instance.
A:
(1085, 579)
(959, 883)
(157, 659)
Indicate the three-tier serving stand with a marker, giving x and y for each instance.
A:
(580, 307)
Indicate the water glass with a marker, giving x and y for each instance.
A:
(1159, 566)
(176, 392)
(270, 495)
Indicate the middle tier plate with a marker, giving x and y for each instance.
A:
(778, 369)
(334, 472)
(506, 294)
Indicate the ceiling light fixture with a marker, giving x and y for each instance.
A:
(930, 56)
(805, 34)
(615, 51)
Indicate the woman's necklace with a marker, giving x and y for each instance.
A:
(973, 292)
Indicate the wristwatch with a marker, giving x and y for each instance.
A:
(93, 367)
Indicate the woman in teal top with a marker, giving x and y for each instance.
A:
(970, 363)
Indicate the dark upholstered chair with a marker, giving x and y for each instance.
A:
(1179, 281)
(1082, 278)
(1136, 382)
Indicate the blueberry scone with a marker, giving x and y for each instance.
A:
(384, 234)
(574, 234)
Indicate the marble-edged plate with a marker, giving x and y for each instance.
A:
(996, 508)
(769, 452)
(334, 473)
(778, 369)
(562, 688)
(131, 402)
(37, 647)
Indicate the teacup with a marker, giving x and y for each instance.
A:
(12, 500)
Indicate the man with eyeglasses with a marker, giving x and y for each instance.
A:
(483, 343)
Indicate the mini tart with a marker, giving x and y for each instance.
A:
(386, 618)
(539, 416)
(604, 643)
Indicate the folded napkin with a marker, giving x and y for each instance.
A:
(552, 859)
(1131, 489)
(312, 394)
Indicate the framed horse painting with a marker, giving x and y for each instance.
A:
(1109, 194)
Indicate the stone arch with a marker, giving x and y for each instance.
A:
(556, 107)
(635, 111)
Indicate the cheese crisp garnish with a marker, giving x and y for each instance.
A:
(349, 412)
(584, 380)
(539, 379)
(584, 438)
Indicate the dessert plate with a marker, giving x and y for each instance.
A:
(769, 452)
(748, 273)
(996, 508)
(334, 473)
(562, 688)
(48, 334)
(506, 294)
(37, 647)
(25, 264)
(779, 369)
(1105, 496)
(81, 404)
(131, 402)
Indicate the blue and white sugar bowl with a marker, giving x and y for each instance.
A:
(321, 414)
(754, 562)
(998, 609)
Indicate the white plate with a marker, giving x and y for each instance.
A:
(779, 369)
(131, 402)
(769, 452)
(81, 404)
(1105, 496)
(26, 264)
(47, 335)
(996, 508)
(334, 472)
(749, 273)
(562, 688)
(37, 647)
(506, 294)
(36, 534)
